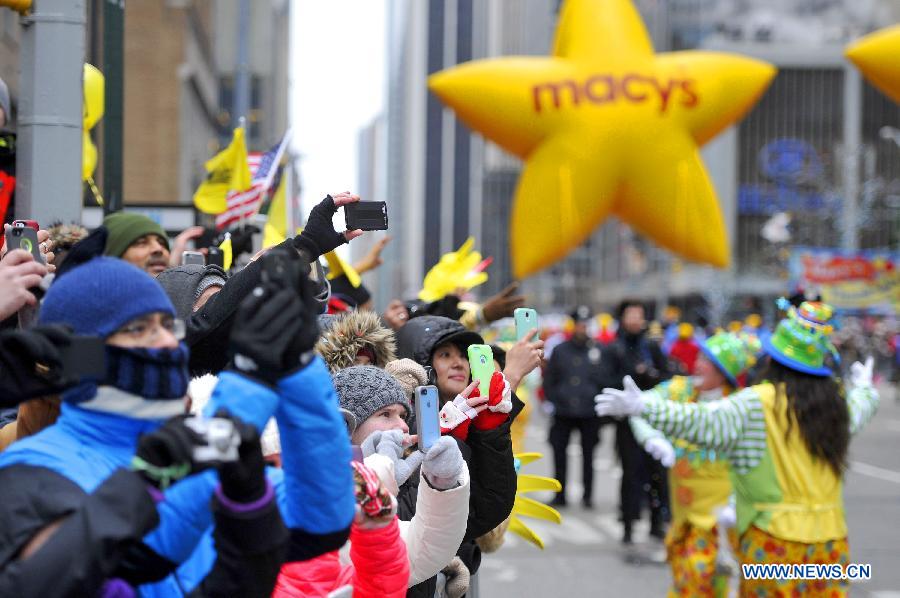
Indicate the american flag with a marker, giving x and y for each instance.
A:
(244, 204)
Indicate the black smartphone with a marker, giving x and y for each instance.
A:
(25, 237)
(84, 357)
(366, 215)
(215, 257)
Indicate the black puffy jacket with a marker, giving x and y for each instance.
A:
(488, 453)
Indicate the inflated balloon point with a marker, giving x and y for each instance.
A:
(877, 56)
(94, 84)
(607, 127)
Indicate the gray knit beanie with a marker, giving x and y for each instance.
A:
(184, 284)
(363, 390)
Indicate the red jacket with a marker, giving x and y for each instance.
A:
(380, 568)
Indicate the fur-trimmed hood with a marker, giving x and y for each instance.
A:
(350, 333)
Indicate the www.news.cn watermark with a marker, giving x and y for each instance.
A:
(851, 572)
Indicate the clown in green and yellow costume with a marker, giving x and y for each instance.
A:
(786, 442)
(699, 482)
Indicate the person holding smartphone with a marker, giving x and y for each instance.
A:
(71, 517)
(19, 272)
(435, 530)
(484, 436)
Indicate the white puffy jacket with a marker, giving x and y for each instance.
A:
(436, 530)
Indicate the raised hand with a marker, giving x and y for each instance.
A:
(661, 450)
(615, 402)
(861, 374)
(457, 415)
(503, 304)
(318, 236)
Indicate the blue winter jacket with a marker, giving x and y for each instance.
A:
(315, 497)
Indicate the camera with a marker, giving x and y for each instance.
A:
(222, 440)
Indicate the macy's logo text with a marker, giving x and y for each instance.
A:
(606, 89)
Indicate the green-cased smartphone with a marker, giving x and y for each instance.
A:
(526, 321)
(481, 366)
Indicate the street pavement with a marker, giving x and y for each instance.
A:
(584, 557)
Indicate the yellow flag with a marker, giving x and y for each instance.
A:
(275, 230)
(227, 252)
(271, 236)
(337, 266)
(226, 171)
(278, 209)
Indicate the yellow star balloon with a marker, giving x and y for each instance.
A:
(877, 55)
(607, 127)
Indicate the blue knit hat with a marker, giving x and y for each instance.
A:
(102, 295)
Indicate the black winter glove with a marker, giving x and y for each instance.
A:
(244, 480)
(276, 326)
(30, 363)
(318, 236)
(264, 331)
(166, 455)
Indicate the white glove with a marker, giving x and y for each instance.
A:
(726, 516)
(661, 450)
(860, 374)
(462, 408)
(620, 402)
(390, 444)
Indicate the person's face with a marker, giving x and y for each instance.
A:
(709, 375)
(149, 253)
(452, 370)
(580, 330)
(153, 331)
(204, 297)
(633, 319)
(385, 419)
(362, 360)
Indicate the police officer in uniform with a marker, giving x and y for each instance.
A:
(571, 381)
(644, 479)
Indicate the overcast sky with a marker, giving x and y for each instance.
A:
(337, 87)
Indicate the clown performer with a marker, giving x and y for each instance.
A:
(786, 440)
(699, 485)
